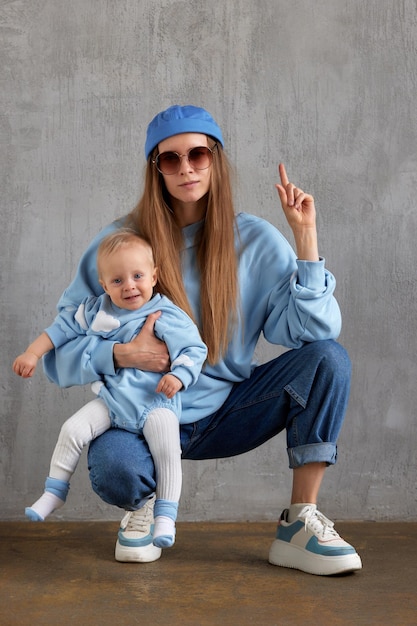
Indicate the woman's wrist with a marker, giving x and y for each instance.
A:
(306, 245)
(121, 352)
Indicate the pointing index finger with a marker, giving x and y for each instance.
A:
(283, 175)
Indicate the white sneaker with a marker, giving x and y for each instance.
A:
(312, 545)
(135, 537)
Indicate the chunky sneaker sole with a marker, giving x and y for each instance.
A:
(135, 537)
(311, 545)
(126, 552)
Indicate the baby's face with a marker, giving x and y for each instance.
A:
(128, 276)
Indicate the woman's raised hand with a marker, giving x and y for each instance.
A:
(300, 212)
(298, 206)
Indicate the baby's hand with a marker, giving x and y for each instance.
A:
(25, 364)
(169, 385)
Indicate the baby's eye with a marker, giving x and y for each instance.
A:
(138, 276)
(117, 281)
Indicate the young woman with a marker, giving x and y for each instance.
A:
(237, 277)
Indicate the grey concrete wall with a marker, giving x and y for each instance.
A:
(330, 88)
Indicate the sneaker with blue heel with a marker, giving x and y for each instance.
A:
(135, 538)
(312, 545)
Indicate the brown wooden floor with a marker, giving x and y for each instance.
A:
(218, 574)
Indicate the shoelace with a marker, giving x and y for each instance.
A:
(138, 521)
(318, 523)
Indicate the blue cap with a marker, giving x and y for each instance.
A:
(177, 120)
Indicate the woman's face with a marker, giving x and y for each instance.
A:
(188, 185)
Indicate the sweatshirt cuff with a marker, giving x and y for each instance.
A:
(56, 335)
(311, 274)
(101, 357)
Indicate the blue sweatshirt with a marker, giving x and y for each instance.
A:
(290, 301)
(130, 393)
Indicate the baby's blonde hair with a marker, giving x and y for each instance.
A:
(121, 237)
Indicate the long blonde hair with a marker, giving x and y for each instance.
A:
(216, 255)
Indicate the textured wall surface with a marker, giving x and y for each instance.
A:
(328, 87)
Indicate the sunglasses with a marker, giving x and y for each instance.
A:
(199, 158)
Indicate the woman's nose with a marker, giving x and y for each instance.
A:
(184, 163)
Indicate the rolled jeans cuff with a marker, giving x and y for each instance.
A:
(312, 453)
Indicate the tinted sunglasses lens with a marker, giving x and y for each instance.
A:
(200, 158)
(168, 162)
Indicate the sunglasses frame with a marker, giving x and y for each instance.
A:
(187, 154)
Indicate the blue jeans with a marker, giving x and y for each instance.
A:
(304, 391)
